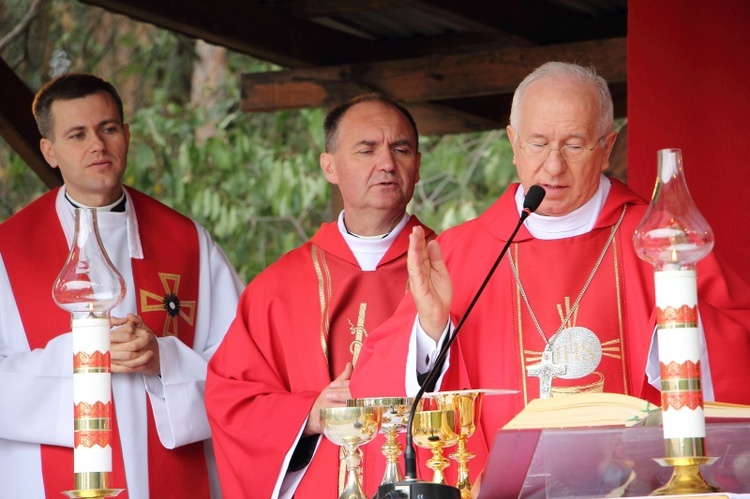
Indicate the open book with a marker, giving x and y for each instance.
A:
(605, 409)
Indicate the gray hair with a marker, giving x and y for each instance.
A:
(581, 74)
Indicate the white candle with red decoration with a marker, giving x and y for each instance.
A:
(92, 396)
(679, 361)
(89, 287)
(673, 236)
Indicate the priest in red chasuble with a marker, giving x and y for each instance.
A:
(179, 302)
(301, 323)
(569, 308)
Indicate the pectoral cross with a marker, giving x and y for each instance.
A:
(546, 371)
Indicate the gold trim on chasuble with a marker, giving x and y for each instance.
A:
(169, 302)
(325, 293)
(611, 348)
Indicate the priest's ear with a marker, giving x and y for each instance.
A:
(608, 146)
(48, 152)
(327, 165)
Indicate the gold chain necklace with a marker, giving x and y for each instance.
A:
(547, 369)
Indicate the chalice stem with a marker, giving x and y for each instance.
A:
(391, 450)
(437, 463)
(352, 488)
(462, 456)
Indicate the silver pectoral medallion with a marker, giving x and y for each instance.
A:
(578, 349)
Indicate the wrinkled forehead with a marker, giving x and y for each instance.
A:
(565, 103)
(376, 117)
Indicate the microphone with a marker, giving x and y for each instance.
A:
(410, 487)
(531, 202)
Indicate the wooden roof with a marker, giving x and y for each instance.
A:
(454, 63)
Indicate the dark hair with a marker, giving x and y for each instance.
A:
(333, 119)
(67, 87)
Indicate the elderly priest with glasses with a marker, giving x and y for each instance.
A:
(571, 272)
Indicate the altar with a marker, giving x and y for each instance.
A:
(607, 462)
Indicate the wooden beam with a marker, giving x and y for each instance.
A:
(262, 29)
(18, 128)
(430, 78)
(487, 18)
(476, 16)
(299, 37)
(435, 119)
(548, 22)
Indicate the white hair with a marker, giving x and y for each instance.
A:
(584, 75)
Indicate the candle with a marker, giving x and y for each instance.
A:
(92, 400)
(89, 287)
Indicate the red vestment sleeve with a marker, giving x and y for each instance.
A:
(380, 369)
(254, 416)
(724, 307)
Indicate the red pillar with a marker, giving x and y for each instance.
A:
(689, 88)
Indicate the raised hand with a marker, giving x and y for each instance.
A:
(430, 283)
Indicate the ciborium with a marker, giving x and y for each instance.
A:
(395, 417)
(436, 430)
(351, 428)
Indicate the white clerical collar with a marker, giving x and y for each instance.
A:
(574, 223)
(66, 215)
(108, 207)
(370, 250)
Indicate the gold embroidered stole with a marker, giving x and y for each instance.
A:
(325, 294)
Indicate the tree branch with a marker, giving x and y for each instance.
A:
(20, 27)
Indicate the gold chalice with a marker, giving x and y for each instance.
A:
(350, 428)
(436, 430)
(395, 417)
(467, 404)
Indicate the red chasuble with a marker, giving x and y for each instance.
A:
(499, 340)
(34, 249)
(298, 323)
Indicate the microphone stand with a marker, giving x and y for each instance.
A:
(410, 487)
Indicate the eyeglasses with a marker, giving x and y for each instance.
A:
(570, 153)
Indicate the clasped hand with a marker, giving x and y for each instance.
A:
(334, 395)
(133, 346)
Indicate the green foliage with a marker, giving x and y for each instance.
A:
(18, 184)
(254, 182)
(461, 175)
